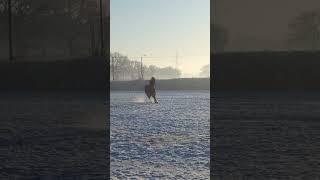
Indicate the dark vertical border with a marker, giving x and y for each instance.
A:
(211, 93)
(107, 56)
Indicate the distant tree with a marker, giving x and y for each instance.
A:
(150, 71)
(167, 73)
(304, 31)
(220, 37)
(205, 71)
(122, 68)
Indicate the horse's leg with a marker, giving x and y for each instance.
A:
(155, 99)
(148, 94)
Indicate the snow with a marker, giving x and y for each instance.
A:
(169, 140)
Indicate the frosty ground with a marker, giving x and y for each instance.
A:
(53, 136)
(169, 140)
(266, 136)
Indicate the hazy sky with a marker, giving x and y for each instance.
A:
(258, 24)
(159, 29)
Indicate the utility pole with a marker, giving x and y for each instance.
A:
(10, 30)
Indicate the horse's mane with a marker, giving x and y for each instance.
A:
(152, 81)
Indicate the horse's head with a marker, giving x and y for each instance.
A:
(152, 81)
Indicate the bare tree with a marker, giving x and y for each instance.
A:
(122, 68)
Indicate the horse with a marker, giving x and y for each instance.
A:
(150, 89)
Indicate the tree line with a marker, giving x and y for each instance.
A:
(122, 68)
(303, 33)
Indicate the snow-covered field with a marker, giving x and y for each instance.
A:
(266, 136)
(169, 140)
(53, 136)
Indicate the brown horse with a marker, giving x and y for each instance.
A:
(150, 89)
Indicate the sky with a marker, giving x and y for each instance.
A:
(164, 31)
(258, 24)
